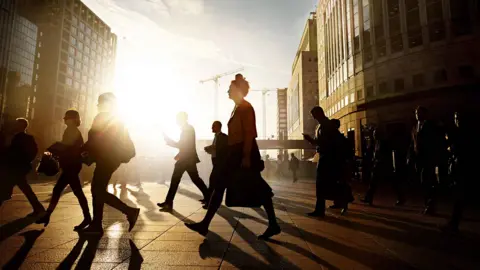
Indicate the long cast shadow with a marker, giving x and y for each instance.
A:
(69, 261)
(17, 260)
(15, 226)
(88, 255)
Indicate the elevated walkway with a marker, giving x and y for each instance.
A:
(272, 144)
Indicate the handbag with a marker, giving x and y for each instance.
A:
(48, 165)
(247, 188)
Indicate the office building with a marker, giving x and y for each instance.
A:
(7, 12)
(302, 94)
(378, 60)
(22, 70)
(282, 128)
(76, 55)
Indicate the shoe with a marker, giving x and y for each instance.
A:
(166, 208)
(132, 218)
(203, 201)
(197, 227)
(205, 206)
(316, 214)
(45, 219)
(164, 204)
(271, 231)
(335, 206)
(96, 230)
(86, 221)
(344, 210)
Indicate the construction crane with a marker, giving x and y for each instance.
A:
(215, 80)
(264, 107)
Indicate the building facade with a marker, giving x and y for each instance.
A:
(302, 94)
(378, 60)
(282, 127)
(7, 13)
(76, 54)
(22, 69)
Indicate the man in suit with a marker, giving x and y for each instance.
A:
(187, 160)
(22, 151)
(218, 150)
(108, 145)
(327, 166)
(424, 153)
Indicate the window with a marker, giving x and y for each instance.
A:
(418, 80)
(378, 15)
(460, 12)
(436, 26)
(82, 26)
(466, 72)
(69, 81)
(81, 36)
(399, 85)
(356, 27)
(414, 27)
(80, 45)
(369, 91)
(71, 61)
(76, 85)
(78, 65)
(71, 50)
(73, 40)
(73, 30)
(77, 75)
(383, 88)
(88, 31)
(440, 76)
(393, 11)
(70, 71)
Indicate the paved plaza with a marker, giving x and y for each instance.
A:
(378, 237)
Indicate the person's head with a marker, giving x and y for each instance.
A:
(267, 156)
(317, 113)
(182, 118)
(336, 123)
(421, 113)
(239, 89)
(107, 102)
(216, 127)
(72, 118)
(21, 125)
(292, 155)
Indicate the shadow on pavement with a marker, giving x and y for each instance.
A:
(15, 226)
(69, 261)
(17, 260)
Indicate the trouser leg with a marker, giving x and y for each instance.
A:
(57, 191)
(193, 173)
(22, 183)
(78, 191)
(175, 182)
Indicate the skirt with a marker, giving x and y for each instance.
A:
(245, 186)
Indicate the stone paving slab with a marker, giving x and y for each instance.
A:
(368, 237)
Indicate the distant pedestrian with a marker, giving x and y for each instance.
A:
(69, 153)
(20, 154)
(109, 145)
(293, 165)
(219, 151)
(186, 161)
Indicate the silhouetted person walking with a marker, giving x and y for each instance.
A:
(424, 152)
(327, 167)
(22, 151)
(243, 157)
(382, 165)
(109, 145)
(69, 152)
(187, 160)
(464, 146)
(218, 150)
(293, 166)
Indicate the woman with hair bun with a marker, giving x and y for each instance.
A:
(243, 160)
(69, 153)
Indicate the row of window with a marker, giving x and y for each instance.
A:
(342, 103)
(418, 81)
(337, 43)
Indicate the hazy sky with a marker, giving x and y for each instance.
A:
(169, 45)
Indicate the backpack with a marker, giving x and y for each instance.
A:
(126, 149)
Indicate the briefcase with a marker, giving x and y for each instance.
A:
(247, 188)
